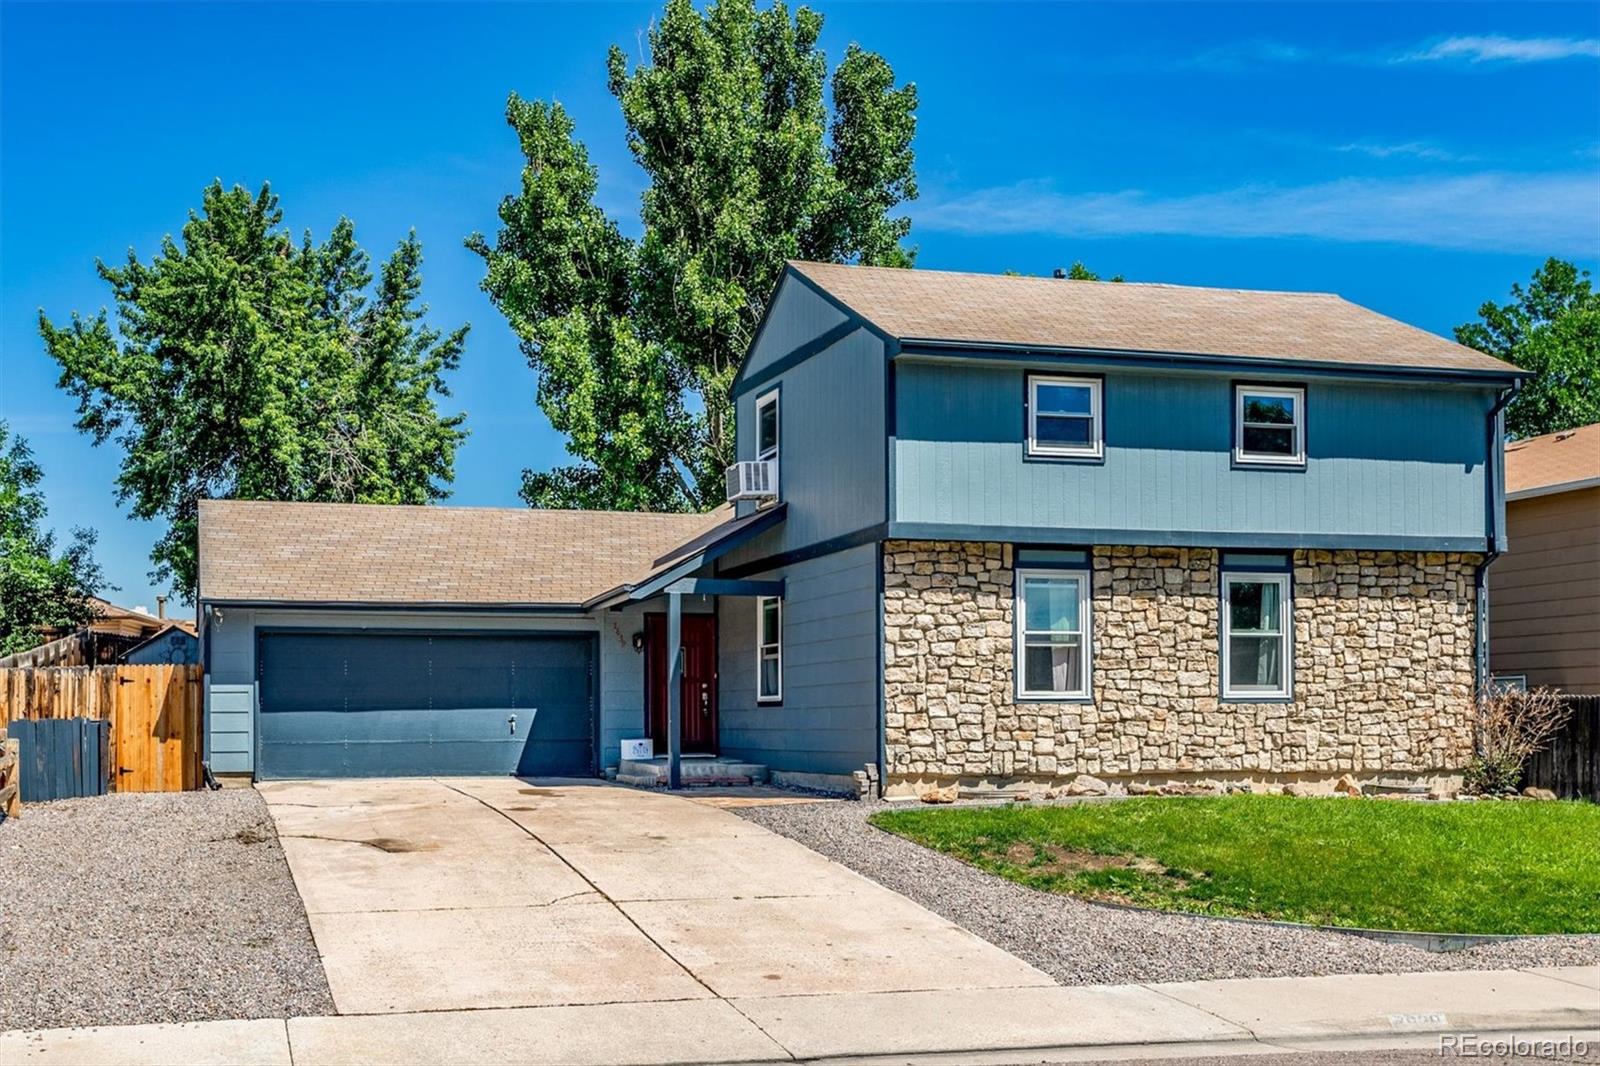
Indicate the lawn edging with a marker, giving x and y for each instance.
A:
(1416, 938)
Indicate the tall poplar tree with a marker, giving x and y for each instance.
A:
(636, 341)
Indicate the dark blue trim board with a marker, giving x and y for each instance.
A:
(1046, 356)
(853, 322)
(431, 607)
(840, 543)
(778, 367)
(1042, 535)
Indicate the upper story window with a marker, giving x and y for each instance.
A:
(767, 430)
(1269, 425)
(1052, 634)
(1255, 635)
(1064, 417)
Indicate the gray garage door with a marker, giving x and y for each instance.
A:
(416, 704)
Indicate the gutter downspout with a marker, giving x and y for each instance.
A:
(1494, 454)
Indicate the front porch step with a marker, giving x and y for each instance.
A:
(698, 771)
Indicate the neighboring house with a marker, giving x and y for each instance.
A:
(176, 645)
(1544, 592)
(987, 528)
(110, 636)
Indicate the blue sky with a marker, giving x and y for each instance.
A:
(1415, 159)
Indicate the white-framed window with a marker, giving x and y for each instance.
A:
(1255, 635)
(1509, 682)
(1065, 417)
(768, 432)
(769, 649)
(1269, 425)
(1052, 611)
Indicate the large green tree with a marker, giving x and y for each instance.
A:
(40, 587)
(246, 365)
(1551, 328)
(636, 341)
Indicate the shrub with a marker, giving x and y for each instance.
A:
(1511, 727)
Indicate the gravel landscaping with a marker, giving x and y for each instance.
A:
(1081, 943)
(166, 907)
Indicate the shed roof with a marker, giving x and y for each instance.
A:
(1030, 312)
(335, 553)
(1554, 462)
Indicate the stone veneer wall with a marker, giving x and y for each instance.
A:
(1383, 669)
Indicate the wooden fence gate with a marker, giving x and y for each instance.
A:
(64, 757)
(154, 712)
(1570, 766)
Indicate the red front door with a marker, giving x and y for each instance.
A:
(699, 682)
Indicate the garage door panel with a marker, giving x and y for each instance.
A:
(368, 704)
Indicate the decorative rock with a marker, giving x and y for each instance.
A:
(1539, 793)
(1347, 786)
(948, 794)
(1383, 669)
(1294, 789)
(1140, 788)
(1086, 785)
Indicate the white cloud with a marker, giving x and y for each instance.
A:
(1497, 49)
(1551, 214)
(1486, 48)
(1243, 54)
(1408, 149)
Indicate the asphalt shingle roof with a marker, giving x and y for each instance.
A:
(1572, 455)
(1131, 317)
(255, 551)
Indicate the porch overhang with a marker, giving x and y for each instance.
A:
(689, 559)
(719, 586)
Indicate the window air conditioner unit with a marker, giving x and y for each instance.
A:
(753, 481)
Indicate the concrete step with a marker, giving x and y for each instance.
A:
(653, 772)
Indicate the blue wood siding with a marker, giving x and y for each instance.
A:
(230, 727)
(828, 721)
(797, 315)
(831, 451)
(1387, 461)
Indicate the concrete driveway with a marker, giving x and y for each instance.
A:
(438, 895)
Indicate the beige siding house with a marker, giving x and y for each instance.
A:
(1544, 592)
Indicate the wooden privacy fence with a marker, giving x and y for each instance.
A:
(155, 741)
(10, 798)
(1570, 766)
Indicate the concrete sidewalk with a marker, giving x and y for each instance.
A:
(1203, 1017)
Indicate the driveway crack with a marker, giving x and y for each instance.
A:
(626, 916)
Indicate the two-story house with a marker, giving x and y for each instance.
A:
(984, 529)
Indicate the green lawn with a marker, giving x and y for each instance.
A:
(1483, 867)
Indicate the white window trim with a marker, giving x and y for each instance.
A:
(1243, 457)
(1097, 444)
(771, 397)
(1085, 625)
(761, 647)
(1285, 628)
